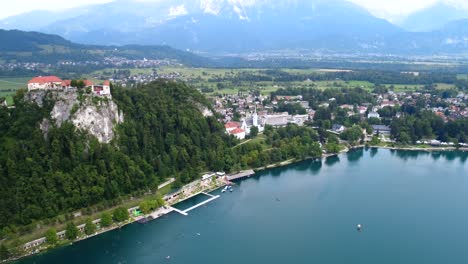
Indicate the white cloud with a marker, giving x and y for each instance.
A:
(389, 9)
(395, 9)
(241, 13)
(11, 8)
(176, 11)
(211, 6)
(215, 6)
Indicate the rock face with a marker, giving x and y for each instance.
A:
(99, 120)
(94, 114)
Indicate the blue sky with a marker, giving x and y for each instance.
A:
(389, 9)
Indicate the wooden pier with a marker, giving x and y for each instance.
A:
(240, 175)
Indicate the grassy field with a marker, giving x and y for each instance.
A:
(10, 85)
(203, 79)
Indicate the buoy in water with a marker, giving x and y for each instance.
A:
(359, 227)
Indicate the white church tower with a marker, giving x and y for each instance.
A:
(255, 118)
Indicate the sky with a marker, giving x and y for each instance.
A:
(389, 9)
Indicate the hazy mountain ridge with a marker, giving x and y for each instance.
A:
(21, 46)
(433, 18)
(217, 26)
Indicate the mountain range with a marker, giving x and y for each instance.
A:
(21, 46)
(433, 18)
(241, 26)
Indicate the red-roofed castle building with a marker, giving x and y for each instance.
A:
(54, 83)
(45, 83)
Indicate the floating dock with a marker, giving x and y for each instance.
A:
(240, 175)
(202, 203)
(178, 211)
(185, 212)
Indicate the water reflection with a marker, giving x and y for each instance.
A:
(373, 152)
(315, 166)
(450, 155)
(355, 155)
(330, 161)
(435, 155)
(463, 156)
(407, 155)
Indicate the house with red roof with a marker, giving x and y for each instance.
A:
(238, 133)
(103, 90)
(230, 126)
(45, 83)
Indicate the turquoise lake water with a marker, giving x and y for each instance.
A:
(413, 207)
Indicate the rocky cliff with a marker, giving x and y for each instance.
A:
(94, 114)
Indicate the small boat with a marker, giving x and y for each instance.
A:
(359, 227)
(168, 257)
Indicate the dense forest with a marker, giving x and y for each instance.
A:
(427, 125)
(164, 134)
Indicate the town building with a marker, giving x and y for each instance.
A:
(250, 122)
(230, 126)
(381, 130)
(239, 133)
(337, 128)
(373, 115)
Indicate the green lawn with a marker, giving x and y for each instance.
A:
(404, 87)
(10, 85)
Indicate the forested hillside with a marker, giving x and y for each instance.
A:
(21, 46)
(164, 134)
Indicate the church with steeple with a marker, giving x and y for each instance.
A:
(250, 122)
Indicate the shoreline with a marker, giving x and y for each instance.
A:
(430, 149)
(221, 183)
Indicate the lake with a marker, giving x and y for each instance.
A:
(413, 207)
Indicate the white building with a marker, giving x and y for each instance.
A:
(250, 122)
(238, 133)
(373, 115)
(45, 83)
(103, 90)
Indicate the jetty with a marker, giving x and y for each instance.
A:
(185, 212)
(202, 203)
(178, 211)
(240, 175)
